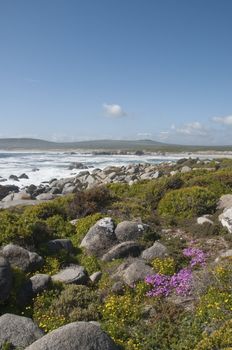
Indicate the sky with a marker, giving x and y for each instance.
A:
(117, 69)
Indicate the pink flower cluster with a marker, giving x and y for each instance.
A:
(163, 285)
(197, 256)
(180, 282)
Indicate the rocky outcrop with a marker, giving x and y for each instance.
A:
(123, 250)
(75, 336)
(18, 331)
(22, 258)
(130, 230)
(225, 202)
(100, 237)
(5, 279)
(73, 274)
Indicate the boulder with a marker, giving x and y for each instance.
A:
(18, 331)
(77, 165)
(204, 219)
(45, 196)
(22, 258)
(185, 169)
(225, 202)
(57, 245)
(75, 336)
(123, 250)
(130, 230)
(21, 196)
(5, 190)
(73, 274)
(13, 177)
(133, 271)
(226, 219)
(158, 250)
(96, 276)
(33, 286)
(100, 237)
(23, 176)
(5, 279)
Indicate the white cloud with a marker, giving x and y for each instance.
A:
(223, 120)
(113, 110)
(194, 128)
(163, 135)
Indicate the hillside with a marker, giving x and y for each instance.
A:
(106, 145)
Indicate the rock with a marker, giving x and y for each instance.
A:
(5, 279)
(23, 176)
(203, 219)
(75, 336)
(5, 190)
(225, 202)
(40, 282)
(123, 250)
(132, 272)
(77, 165)
(73, 274)
(57, 245)
(18, 331)
(22, 258)
(226, 219)
(223, 255)
(21, 196)
(33, 286)
(96, 276)
(185, 169)
(34, 169)
(118, 288)
(100, 237)
(158, 250)
(45, 196)
(130, 230)
(13, 177)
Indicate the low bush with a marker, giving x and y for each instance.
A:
(187, 202)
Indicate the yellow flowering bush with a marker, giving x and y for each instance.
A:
(219, 339)
(164, 266)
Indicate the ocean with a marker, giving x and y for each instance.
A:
(51, 165)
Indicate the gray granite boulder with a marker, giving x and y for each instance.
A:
(57, 245)
(36, 284)
(226, 219)
(75, 336)
(73, 274)
(133, 271)
(158, 250)
(22, 258)
(96, 276)
(225, 201)
(5, 279)
(130, 230)
(18, 331)
(100, 237)
(123, 250)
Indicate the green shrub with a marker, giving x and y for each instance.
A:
(187, 202)
(90, 263)
(66, 304)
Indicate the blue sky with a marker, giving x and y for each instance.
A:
(122, 69)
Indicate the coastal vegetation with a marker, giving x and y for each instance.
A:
(183, 303)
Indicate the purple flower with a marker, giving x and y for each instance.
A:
(197, 256)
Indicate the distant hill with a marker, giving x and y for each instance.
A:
(104, 145)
